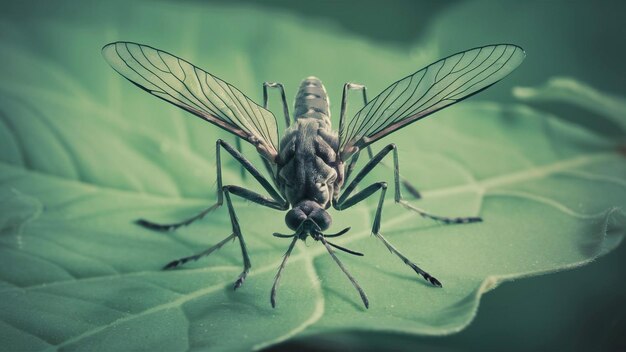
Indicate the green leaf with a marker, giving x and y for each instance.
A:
(568, 90)
(84, 154)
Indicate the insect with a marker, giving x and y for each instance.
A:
(309, 166)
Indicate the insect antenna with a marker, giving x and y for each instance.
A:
(345, 249)
(280, 235)
(339, 233)
(282, 266)
(345, 271)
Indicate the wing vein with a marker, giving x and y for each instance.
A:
(179, 82)
(440, 84)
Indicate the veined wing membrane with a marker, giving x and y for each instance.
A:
(433, 88)
(196, 91)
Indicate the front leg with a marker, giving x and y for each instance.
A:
(345, 201)
(366, 193)
(275, 201)
(236, 228)
(376, 160)
(237, 232)
(245, 164)
(344, 106)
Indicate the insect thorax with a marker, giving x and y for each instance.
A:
(308, 166)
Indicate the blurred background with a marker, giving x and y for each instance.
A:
(578, 310)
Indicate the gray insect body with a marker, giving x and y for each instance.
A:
(310, 174)
(307, 164)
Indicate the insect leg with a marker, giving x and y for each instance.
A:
(280, 271)
(351, 165)
(398, 195)
(344, 100)
(256, 198)
(282, 95)
(275, 202)
(251, 196)
(364, 194)
(345, 271)
(237, 232)
(246, 194)
(342, 118)
(344, 105)
(173, 226)
(245, 164)
(407, 185)
(181, 261)
(285, 111)
(242, 170)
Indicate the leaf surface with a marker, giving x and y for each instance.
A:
(84, 154)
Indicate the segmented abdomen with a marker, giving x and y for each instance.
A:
(312, 100)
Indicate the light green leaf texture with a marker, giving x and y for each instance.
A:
(84, 153)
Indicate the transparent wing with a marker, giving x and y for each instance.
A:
(441, 84)
(202, 94)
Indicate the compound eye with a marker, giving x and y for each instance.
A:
(321, 218)
(294, 218)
